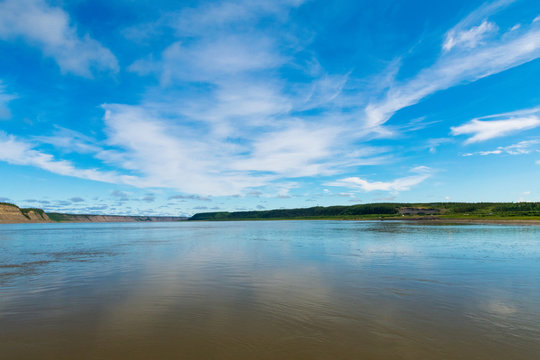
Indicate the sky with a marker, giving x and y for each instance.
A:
(178, 107)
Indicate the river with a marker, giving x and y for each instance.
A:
(269, 290)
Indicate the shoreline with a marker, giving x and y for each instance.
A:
(101, 219)
(461, 221)
(421, 221)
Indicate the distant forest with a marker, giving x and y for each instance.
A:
(385, 210)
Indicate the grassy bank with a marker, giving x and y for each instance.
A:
(389, 211)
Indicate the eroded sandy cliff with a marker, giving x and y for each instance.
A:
(11, 214)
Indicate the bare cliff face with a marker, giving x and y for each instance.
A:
(111, 218)
(11, 214)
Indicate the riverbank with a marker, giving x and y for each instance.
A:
(12, 214)
(421, 220)
(458, 221)
(482, 213)
(432, 213)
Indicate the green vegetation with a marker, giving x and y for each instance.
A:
(376, 211)
(58, 217)
(518, 211)
(318, 211)
(8, 204)
(25, 212)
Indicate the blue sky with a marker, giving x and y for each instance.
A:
(169, 107)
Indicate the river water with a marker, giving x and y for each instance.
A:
(269, 290)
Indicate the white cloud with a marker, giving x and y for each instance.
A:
(232, 130)
(521, 148)
(70, 141)
(471, 31)
(433, 144)
(470, 38)
(219, 15)
(480, 14)
(515, 27)
(167, 154)
(223, 120)
(296, 151)
(18, 152)
(50, 29)
(492, 152)
(509, 50)
(226, 38)
(400, 184)
(238, 132)
(484, 128)
(234, 59)
(212, 58)
(174, 156)
(538, 162)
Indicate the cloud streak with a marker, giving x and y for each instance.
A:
(236, 130)
(18, 152)
(499, 125)
(470, 38)
(50, 29)
(521, 148)
(168, 154)
(239, 104)
(5, 98)
(400, 184)
(461, 65)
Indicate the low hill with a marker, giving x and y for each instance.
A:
(12, 214)
(58, 217)
(520, 210)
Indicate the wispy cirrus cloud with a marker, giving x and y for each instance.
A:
(469, 38)
(50, 29)
(5, 98)
(466, 60)
(68, 140)
(236, 130)
(239, 121)
(19, 152)
(171, 155)
(498, 125)
(521, 148)
(240, 104)
(212, 59)
(223, 13)
(197, 161)
(470, 31)
(400, 184)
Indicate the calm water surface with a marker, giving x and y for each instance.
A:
(269, 290)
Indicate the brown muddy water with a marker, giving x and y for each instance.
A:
(269, 290)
